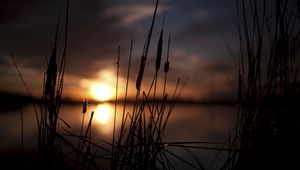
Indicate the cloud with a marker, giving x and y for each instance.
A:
(98, 27)
(92, 37)
(131, 14)
(14, 10)
(201, 14)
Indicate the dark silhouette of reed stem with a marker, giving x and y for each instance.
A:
(268, 86)
(116, 103)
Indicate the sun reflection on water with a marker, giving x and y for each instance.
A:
(103, 113)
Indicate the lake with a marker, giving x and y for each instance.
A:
(188, 123)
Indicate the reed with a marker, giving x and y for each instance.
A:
(139, 143)
(48, 145)
(84, 110)
(49, 151)
(22, 133)
(116, 103)
(268, 86)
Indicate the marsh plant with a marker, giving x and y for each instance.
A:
(267, 129)
(48, 146)
(137, 144)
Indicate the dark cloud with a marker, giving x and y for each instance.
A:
(208, 33)
(92, 37)
(14, 10)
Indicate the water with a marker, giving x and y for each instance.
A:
(188, 123)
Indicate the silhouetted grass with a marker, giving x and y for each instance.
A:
(49, 148)
(267, 129)
(139, 142)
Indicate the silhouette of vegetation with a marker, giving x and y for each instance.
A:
(139, 142)
(267, 130)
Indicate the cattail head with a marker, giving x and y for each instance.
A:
(84, 106)
(52, 68)
(159, 46)
(139, 81)
(159, 51)
(139, 77)
(51, 74)
(145, 52)
(167, 63)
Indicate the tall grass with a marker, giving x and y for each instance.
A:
(139, 142)
(49, 151)
(267, 129)
(49, 148)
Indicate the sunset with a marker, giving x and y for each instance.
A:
(149, 84)
(101, 91)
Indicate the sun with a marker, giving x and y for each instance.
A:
(101, 91)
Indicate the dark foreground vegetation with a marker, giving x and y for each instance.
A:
(137, 144)
(267, 131)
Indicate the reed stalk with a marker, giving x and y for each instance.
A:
(268, 86)
(116, 103)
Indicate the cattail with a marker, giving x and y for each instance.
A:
(139, 81)
(51, 74)
(139, 77)
(159, 51)
(167, 63)
(84, 106)
(52, 67)
(159, 46)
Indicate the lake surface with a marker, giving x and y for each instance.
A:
(188, 123)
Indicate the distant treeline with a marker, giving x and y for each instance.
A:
(12, 101)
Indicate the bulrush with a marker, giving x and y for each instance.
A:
(159, 46)
(51, 76)
(50, 84)
(84, 106)
(159, 51)
(139, 77)
(52, 69)
(167, 63)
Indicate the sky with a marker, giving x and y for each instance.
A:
(202, 32)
